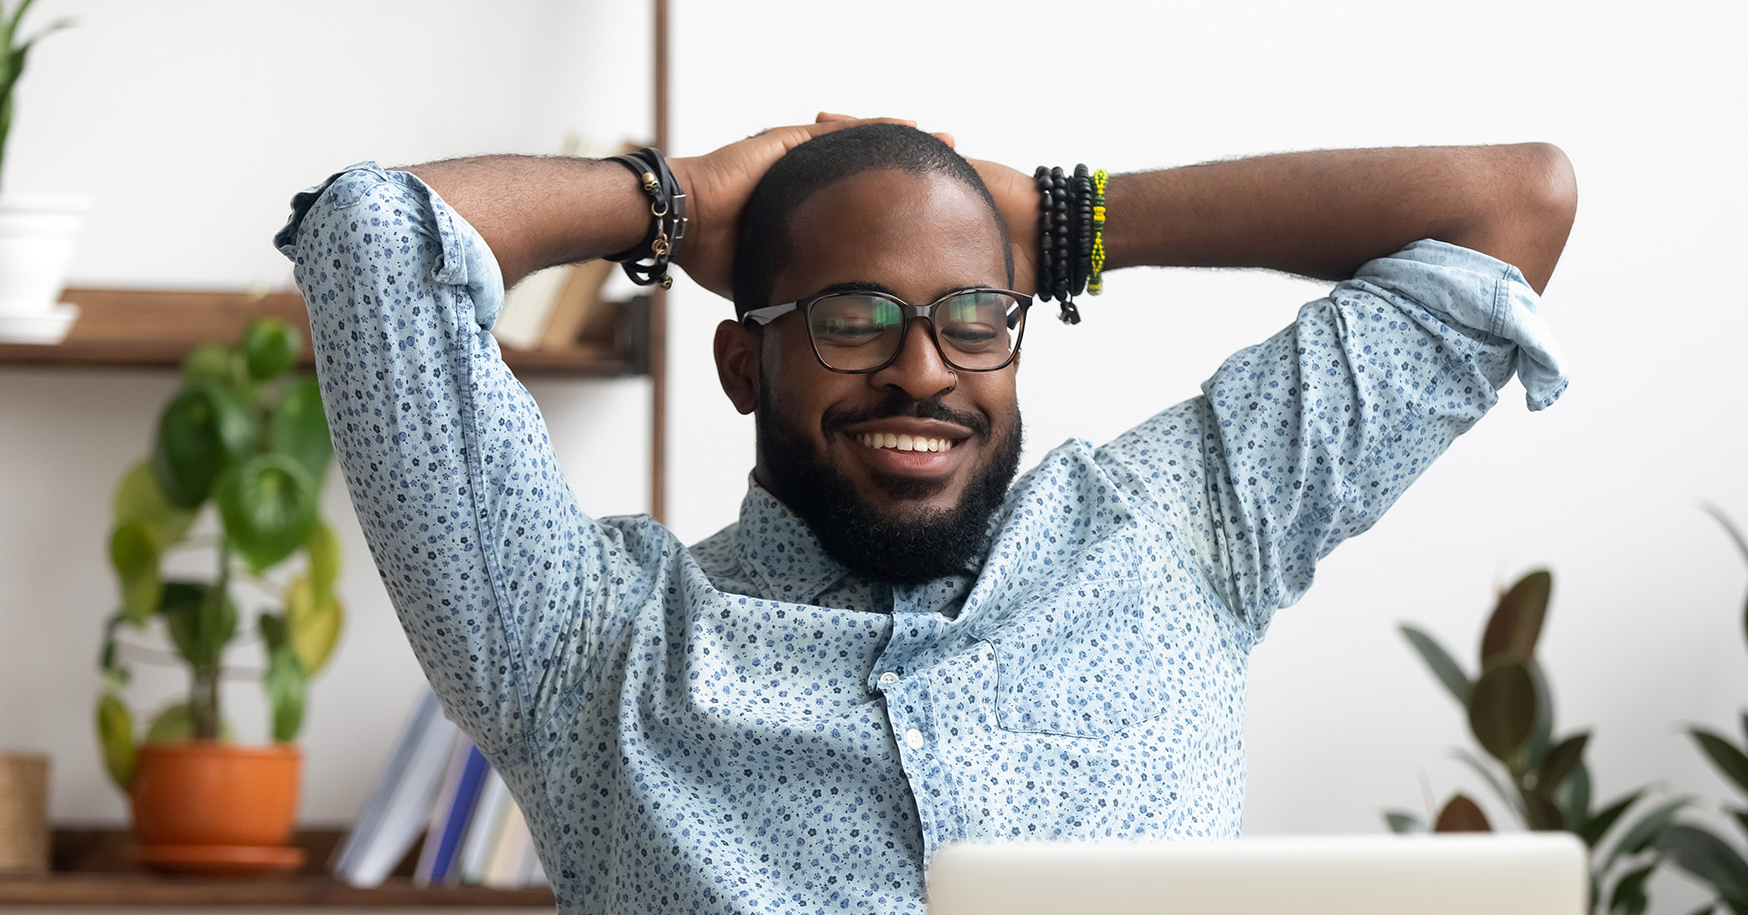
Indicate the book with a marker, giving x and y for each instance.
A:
(398, 807)
(506, 868)
(451, 814)
(577, 302)
(527, 307)
(488, 823)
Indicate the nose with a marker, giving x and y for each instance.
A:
(919, 369)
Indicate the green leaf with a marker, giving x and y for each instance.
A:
(201, 621)
(1443, 666)
(1503, 708)
(1402, 822)
(115, 732)
(298, 428)
(324, 553)
(284, 680)
(1643, 833)
(139, 499)
(269, 506)
(204, 431)
(1572, 796)
(109, 658)
(1535, 752)
(270, 346)
(1500, 789)
(1461, 814)
(312, 625)
(1598, 825)
(1560, 762)
(1729, 527)
(134, 556)
(1707, 857)
(1741, 818)
(1541, 813)
(1628, 897)
(211, 363)
(175, 724)
(1723, 755)
(1516, 623)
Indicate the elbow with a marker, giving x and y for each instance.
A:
(1553, 190)
(1545, 205)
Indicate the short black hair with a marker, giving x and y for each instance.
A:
(762, 247)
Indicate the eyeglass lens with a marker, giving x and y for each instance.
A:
(855, 331)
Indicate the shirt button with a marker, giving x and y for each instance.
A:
(888, 678)
(913, 738)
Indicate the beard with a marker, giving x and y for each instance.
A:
(900, 548)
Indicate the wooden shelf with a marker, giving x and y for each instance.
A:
(93, 868)
(133, 328)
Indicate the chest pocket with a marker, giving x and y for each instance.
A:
(1088, 660)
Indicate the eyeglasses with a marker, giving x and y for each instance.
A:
(975, 330)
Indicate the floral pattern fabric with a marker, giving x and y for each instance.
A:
(740, 726)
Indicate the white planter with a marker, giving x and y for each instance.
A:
(36, 247)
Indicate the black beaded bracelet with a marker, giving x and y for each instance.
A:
(1083, 218)
(647, 263)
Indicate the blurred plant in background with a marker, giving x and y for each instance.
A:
(14, 51)
(1541, 778)
(247, 436)
(1692, 846)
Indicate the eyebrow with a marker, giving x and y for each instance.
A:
(882, 288)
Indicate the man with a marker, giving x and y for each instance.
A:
(893, 650)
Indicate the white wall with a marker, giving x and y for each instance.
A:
(192, 121)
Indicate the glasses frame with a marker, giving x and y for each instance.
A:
(769, 313)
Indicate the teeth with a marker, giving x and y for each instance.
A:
(903, 442)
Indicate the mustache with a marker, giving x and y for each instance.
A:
(899, 404)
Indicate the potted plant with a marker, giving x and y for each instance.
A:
(1694, 846)
(36, 230)
(1540, 778)
(232, 479)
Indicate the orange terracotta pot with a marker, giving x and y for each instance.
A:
(210, 793)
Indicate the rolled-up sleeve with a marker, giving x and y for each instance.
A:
(1305, 439)
(494, 571)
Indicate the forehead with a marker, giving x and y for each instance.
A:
(918, 235)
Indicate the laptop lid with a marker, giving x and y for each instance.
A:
(1447, 874)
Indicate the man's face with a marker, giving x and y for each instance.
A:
(823, 435)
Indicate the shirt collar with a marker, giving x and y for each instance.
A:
(780, 551)
(788, 562)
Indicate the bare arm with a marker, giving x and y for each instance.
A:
(538, 211)
(1323, 214)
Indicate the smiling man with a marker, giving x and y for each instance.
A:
(898, 645)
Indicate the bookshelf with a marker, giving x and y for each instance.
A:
(91, 868)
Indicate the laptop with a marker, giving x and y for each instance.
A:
(1445, 874)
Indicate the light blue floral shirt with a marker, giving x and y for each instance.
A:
(740, 726)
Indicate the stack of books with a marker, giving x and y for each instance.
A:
(439, 787)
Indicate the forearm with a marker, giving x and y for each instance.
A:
(1323, 214)
(539, 211)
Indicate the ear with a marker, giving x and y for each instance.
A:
(737, 364)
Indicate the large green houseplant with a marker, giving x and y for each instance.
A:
(231, 481)
(1540, 778)
(1694, 846)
